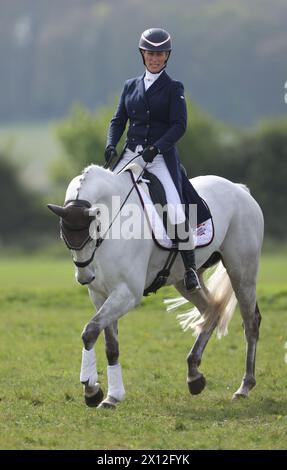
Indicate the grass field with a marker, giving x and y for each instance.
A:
(43, 313)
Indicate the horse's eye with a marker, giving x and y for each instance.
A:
(98, 212)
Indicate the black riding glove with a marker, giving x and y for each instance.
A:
(110, 153)
(149, 153)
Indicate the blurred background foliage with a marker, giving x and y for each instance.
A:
(255, 157)
(60, 81)
(230, 54)
(23, 221)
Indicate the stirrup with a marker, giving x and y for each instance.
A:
(191, 281)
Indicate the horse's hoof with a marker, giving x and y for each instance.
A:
(197, 385)
(238, 396)
(109, 402)
(107, 405)
(94, 400)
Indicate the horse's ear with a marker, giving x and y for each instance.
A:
(58, 210)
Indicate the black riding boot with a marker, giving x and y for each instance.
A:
(182, 238)
(191, 280)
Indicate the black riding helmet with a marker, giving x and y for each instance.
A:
(155, 40)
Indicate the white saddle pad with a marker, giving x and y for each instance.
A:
(203, 234)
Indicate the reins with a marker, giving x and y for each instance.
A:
(83, 264)
(162, 276)
(127, 196)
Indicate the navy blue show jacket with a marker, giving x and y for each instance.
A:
(157, 117)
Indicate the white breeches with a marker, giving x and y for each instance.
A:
(158, 168)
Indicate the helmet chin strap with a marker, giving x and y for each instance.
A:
(156, 73)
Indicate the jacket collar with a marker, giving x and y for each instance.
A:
(152, 77)
(159, 83)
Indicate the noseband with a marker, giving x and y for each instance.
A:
(76, 231)
(84, 264)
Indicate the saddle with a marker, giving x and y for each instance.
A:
(150, 190)
(153, 189)
(149, 187)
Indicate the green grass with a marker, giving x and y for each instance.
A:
(43, 313)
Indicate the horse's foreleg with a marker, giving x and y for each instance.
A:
(89, 376)
(120, 301)
(116, 391)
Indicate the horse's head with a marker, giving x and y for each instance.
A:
(75, 220)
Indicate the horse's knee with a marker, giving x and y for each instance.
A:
(90, 335)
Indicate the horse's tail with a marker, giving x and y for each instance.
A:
(221, 305)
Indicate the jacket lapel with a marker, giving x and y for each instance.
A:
(159, 83)
(141, 89)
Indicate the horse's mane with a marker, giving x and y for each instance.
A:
(93, 169)
(93, 173)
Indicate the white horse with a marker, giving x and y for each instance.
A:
(117, 271)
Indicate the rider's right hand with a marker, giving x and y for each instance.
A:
(110, 153)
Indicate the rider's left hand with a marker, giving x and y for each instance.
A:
(149, 153)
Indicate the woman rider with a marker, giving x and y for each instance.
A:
(155, 106)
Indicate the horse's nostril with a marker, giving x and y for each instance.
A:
(86, 282)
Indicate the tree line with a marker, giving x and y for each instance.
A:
(24, 220)
(257, 158)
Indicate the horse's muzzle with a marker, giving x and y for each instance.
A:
(85, 282)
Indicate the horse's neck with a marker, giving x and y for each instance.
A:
(100, 185)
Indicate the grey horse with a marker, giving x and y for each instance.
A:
(116, 283)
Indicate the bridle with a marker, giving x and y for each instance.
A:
(77, 238)
(84, 264)
(67, 230)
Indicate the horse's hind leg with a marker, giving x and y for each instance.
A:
(116, 391)
(243, 279)
(195, 379)
(241, 253)
(251, 321)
